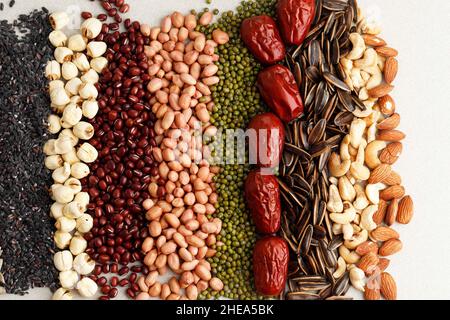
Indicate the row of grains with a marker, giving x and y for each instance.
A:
(366, 195)
(73, 77)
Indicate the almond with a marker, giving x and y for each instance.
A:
(390, 70)
(381, 90)
(383, 264)
(384, 233)
(392, 192)
(390, 135)
(378, 217)
(391, 212)
(371, 294)
(368, 262)
(386, 51)
(393, 179)
(405, 210)
(391, 153)
(390, 247)
(367, 247)
(373, 41)
(380, 173)
(387, 105)
(389, 123)
(388, 287)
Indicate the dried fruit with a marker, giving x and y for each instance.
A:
(390, 69)
(391, 212)
(393, 192)
(380, 173)
(390, 247)
(390, 135)
(384, 233)
(389, 123)
(388, 286)
(381, 90)
(405, 210)
(391, 153)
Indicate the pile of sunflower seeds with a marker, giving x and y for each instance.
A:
(304, 179)
(26, 230)
(2, 280)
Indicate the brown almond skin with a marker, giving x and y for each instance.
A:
(387, 105)
(388, 287)
(368, 262)
(366, 248)
(393, 179)
(381, 90)
(374, 41)
(389, 123)
(390, 247)
(371, 294)
(390, 135)
(390, 70)
(378, 217)
(383, 234)
(386, 51)
(383, 264)
(391, 153)
(391, 212)
(405, 210)
(393, 192)
(380, 173)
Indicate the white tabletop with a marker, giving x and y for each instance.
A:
(419, 30)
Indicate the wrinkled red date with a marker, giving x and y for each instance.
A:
(295, 18)
(269, 135)
(279, 90)
(262, 193)
(270, 265)
(261, 36)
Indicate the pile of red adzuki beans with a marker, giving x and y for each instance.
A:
(124, 137)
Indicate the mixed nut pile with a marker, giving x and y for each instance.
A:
(142, 201)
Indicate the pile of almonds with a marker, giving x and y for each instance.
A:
(73, 92)
(366, 196)
(181, 227)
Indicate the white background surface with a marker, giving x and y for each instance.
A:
(420, 31)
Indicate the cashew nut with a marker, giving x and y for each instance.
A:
(346, 189)
(357, 80)
(369, 59)
(333, 180)
(376, 77)
(355, 224)
(363, 94)
(372, 132)
(334, 202)
(367, 222)
(356, 132)
(357, 277)
(381, 61)
(358, 169)
(346, 64)
(349, 256)
(336, 229)
(371, 28)
(338, 168)
(365, 75)
(373, 192)
(346, 217)
(340, 268)
(345, 155)
(357, 240)
(358, 46)
(361, 201)
(347, 231)
(371, 153)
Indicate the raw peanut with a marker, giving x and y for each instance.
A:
(202, 272)
(216, 284)
(155, 290)
(220, 36)
(405, 210)
(391, 212)
(165, 291)
(390, 247)
(192, 292)
(206, 18)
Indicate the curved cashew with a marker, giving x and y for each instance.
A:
(356, 228)
(349, 256)
(376, 77)
(334, 202)
(371, 153)
(346, 189)
(365, 75)
(372, 132)
(346, 64)
(373, 192)
(363, 94)
(362, 114)
(367, 222)
(357, 277)
(333, 180)
(381, 61)
(338, 168)
(358, 169)
(356, 132)
(347, 231)
(358, 46)
(343, 150)
(357, 240)
(361, 201)
(357, 80)
(369, 59)
(340, 268)
(346, 217)
(337, 229)
(371, 28)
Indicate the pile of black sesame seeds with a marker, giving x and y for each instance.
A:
(26, 230)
